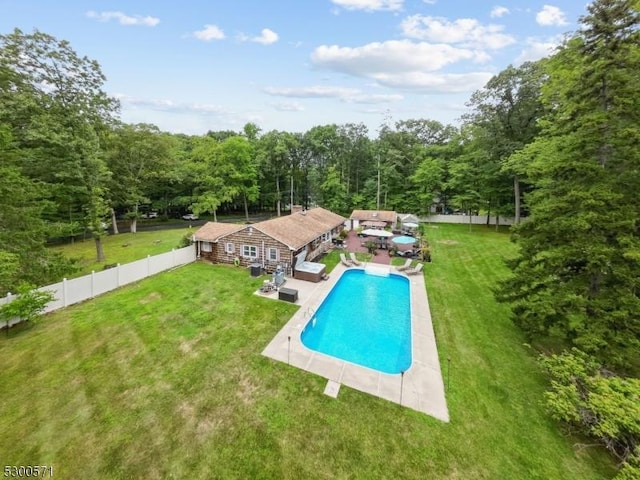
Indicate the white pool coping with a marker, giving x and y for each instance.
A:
(422, 384)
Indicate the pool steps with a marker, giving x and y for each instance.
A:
(377, 270)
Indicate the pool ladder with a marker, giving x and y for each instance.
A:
(310, 314)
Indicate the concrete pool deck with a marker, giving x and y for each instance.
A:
(422, 385)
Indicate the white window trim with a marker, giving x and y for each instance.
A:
(206, 247)
(248, 248)
(229, 247)
(270, 251)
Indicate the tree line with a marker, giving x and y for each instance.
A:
(71, 166)
(553, 143)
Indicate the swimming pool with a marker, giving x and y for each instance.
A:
(366, 320)
(403, 240)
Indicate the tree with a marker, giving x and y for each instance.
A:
(213, 173)
(275, 155)
(27, 306)
(592, 401)
(136, 156)
(61, 126)
(427, 180)
(576, 274)
(505, 117)
(334, 192)
(243, 177)
(23, 256)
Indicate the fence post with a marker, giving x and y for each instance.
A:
(64, 292)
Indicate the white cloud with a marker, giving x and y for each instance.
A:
(430, 2)
(463, 31)
(266, 37)
(537, 49)
(369, 5)
(288, 107)
(146, 21)
(171, 106)
(551, 16)
(394, 55)
(404, 65)
(435, 82)
(208, 33)
(372, 99)
(348, 95)
(317, 91)
(499, 11)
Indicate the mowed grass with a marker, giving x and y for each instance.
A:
(164, 379)
(122, 248)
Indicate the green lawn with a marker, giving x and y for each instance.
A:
(164, 379)
(122, 248)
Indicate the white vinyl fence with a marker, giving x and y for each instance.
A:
(473, 219)
(68, 292)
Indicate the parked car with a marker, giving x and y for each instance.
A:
(190, 216)
(150, 215)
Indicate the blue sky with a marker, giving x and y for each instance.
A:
(194, 66)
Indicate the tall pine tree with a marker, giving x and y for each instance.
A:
(577, 276)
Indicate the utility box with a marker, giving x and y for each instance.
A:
(256, 269)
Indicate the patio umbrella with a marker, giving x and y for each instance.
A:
(370, 232)
(410, 225)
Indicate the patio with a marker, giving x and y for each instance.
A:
(353, 243)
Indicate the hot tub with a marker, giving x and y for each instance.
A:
(309, 271)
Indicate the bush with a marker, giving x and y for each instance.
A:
(185, 241)
(27, 306)
(596, 402)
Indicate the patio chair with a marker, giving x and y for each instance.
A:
(415, 270)
(344, 261)
(406, 266)
(354, 260)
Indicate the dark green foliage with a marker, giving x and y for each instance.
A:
(576, 277)
(595, 402)
(186, 240)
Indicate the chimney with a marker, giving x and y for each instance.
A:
(296, 209)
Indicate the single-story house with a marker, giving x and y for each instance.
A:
(372, 219)
(283, 241)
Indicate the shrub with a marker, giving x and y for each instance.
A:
(185, 241)
(595, 402)
(27, 306)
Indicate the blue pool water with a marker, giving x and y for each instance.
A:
(403, 240)
(365, 319)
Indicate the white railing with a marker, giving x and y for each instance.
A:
(75, 290)
(473, 219)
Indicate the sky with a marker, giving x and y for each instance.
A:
(194, 66)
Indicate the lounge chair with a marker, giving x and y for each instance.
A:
(406, 266)
(353, 258)
(414, 271)
(344, 261)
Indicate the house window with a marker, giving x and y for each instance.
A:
(229, 248)
(205, 246)
(273, 254)
(250, 251)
